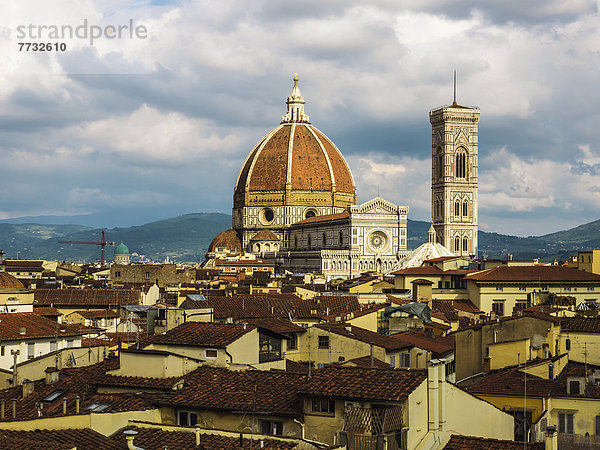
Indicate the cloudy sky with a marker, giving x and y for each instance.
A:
(160, 126)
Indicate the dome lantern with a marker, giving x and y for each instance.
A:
(295, 106)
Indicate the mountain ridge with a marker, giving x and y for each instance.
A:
(186, 237)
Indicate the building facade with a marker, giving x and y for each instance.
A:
(454, 147)
(367, 237)
(295, 201)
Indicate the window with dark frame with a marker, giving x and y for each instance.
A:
(270, 427)
(565, 423)
(323, 405)
(187, 418)
(323, 341)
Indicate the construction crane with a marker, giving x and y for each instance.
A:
(103, 243)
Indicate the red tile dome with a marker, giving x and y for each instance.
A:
(7, 281)
(297, 155)
(226, 239)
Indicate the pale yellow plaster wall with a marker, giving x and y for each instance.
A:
(516, 403)
(323, 427)
(585, 347)
(417, 415)
(469, 415)
(504, 354)
(584, 412)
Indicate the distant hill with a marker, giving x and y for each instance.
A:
(183, 238)
(186, 238)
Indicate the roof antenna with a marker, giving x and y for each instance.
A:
(454, 103)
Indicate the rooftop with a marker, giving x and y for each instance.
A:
(203, 334)
(533, 274)
(358, 383)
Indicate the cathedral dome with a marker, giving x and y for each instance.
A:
(7, 281)
(295, 156)
(227, 240)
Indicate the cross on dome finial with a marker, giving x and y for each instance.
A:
(295, 106)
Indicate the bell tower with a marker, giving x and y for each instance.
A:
(454, 144)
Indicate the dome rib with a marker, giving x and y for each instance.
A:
(266, 140)
(331, 174)
(290, 155)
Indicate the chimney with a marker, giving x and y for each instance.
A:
(551, 440)
(22, 331)
(65, 406)
(433, 397)
(27, 387)
(77, 406)
(486, 365)
(197, 433)
(129, 436)
(52, 375)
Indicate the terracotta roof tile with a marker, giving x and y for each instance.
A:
(325, 218)
(156, 439)
(85, 439)
(203, 334)
(257, 306)
(533, 274)
(264, 392)
(365, 362)
(228, 239)
(87, 297)
(581, 324)
(277, 325)
(33, 326)
(438, 345)
(357, 383)
(265, 235)
(7, 281)
(473, 442)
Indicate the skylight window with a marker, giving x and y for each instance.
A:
(54, 395)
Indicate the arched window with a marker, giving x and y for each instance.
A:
(324, 239)
(333, 265)
(460, 165)
(341, 238)
(465, 244)
(295, 241)
(457, 208)
(465, 208)
(257, 248)
(457, 244)
(308, 241)
(267, 247)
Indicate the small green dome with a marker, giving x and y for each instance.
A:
(121, 249)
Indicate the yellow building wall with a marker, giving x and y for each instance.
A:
(322, 427)
(109, 423)
(484, 296)
(339, 346)
(417, 415)
(585, 347)
(542, 369)
(509, 403)
(584, 413)
(234, 422)
(467, 415)
(367, 321)
(506, 354)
